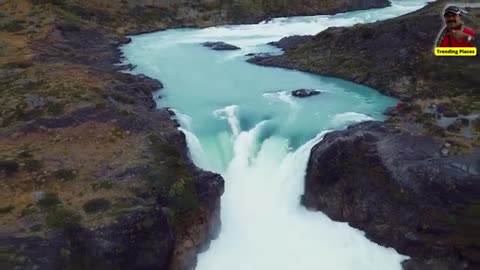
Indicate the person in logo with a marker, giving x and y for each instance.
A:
(455, 34)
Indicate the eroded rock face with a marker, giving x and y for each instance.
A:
(205, 224)
(400, 190)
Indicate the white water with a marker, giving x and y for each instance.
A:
(265, 227)
(241, 121)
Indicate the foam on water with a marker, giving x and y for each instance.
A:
(230, 114)
(261, 143)
(282, 96)
(348, 118)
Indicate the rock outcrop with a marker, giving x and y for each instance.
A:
(401, 191)
(288, 43)
(220, 46)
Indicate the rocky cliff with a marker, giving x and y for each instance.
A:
(400, 190)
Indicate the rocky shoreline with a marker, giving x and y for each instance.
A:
(408, 183)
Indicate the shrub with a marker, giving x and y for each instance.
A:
(49, 200)
(55, 108)
(12, 26)
(32, 165)
(36, 228)
(6, 209)
(24, 154)
(9, 166)
(65, 174)
(102, 185)
(29, 210)
(61, 218)
(96, 205)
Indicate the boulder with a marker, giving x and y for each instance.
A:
(220, 46)
(303, 93)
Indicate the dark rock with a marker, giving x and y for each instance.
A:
(429, 265)
(170, 112)
(291, 42)
(450, 114)
(465, 121)
(220, 46)
(398, 188)
(391, 111)
(456, 126)
(303, 93)
(258, 54)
